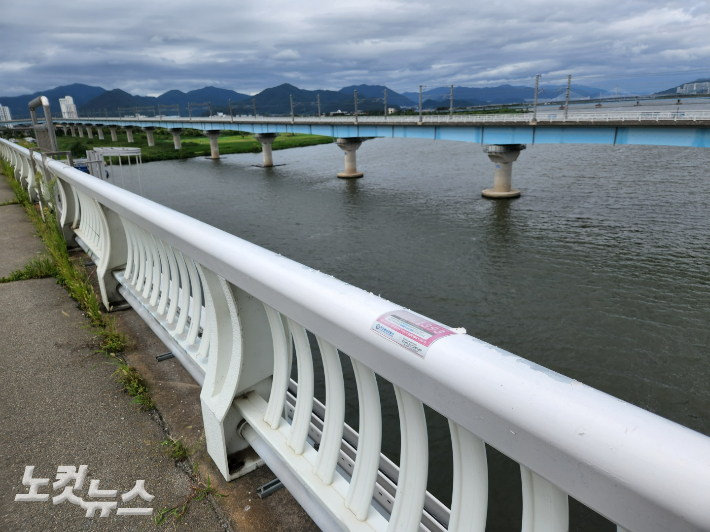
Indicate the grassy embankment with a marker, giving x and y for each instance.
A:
(72, 275)
(194, 144)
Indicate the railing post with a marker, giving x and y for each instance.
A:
(240, 337)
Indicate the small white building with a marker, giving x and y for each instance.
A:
(5, 113)
(391, 110)
(68, 107)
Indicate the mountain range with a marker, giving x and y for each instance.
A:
(276, 100)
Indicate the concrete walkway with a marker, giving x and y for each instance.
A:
(61, 407)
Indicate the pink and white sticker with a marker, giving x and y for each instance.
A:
(411, 331)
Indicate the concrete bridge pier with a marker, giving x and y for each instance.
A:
(503, 155)
(80, 129)
(100, 131)
(350, 146)
(89, 132)
(73, 133)
(213, 135)
(149, 135)
(129, 132)
(266, 139)
(113, 129)
(64, 129)
(176, 137)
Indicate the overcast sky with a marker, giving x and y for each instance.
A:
(148, 47)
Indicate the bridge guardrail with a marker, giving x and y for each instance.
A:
(542, 117)
(235, 313)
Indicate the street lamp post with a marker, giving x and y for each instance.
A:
(355, 105)
(385, 104)
(253, 102)
(451, 102)
(569, 85)
(292, 115)
(537, 84)
(420, 104)
(318, 97)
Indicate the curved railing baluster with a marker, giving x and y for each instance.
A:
(149, 264)
(157, 270)
(413, 465)
(469, 503)
(164, 276)
(282, 369)
(184, 298)
(367, 460)
(174, 284)
(130, 242)
(545, 507)
(195, 303)
(204, 345)
(304, 401)
(142, 260)
(332, 436)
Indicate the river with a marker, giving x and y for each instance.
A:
(599, 271)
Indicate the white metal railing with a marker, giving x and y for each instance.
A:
(235, 314)
(542, 116)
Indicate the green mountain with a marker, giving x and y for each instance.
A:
(111, 101)
(376, 92)
(277, 100)
(81, 94)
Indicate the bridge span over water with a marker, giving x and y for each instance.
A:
(503, 135)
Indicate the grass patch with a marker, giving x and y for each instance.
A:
(134, 385)
(34, 269)
(13, 201)
(199, 491)
(194, 144)
(175, 449)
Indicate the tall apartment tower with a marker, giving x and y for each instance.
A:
(5, 113)
(68, 107)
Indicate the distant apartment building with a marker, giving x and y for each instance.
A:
(5, 113)
(695, 88)
(68, 107)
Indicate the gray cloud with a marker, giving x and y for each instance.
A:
(150, 47)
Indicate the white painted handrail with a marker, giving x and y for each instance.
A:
(222, 302)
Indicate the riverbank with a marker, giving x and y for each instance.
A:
(194, 143)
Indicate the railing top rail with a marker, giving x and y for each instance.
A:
(628, 464)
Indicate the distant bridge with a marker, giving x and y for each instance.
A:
(504, 135)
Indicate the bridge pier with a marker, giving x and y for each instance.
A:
(350, 146)
(89, 132)
(73, 133)
(64, 130)
(213, 135)
(149, 135)
(114, 137)
(129, 132)
(100, 131)
(80, 129)
(266, 139)
(176, 137)
(503, 155)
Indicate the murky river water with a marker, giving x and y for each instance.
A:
(599, 271)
